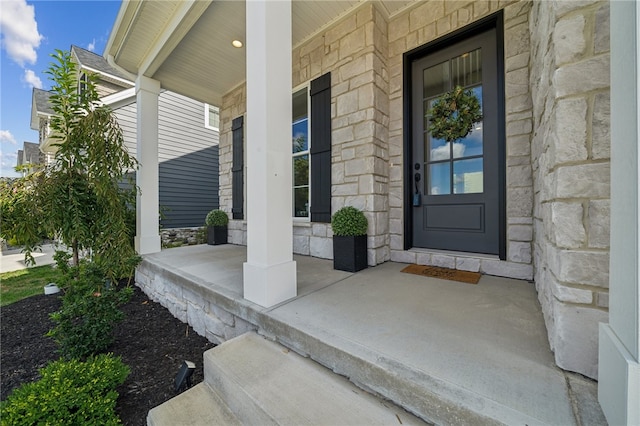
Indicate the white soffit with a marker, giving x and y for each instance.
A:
(202, 64)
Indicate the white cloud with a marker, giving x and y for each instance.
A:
(6, 136)
(442, 152)
(32, 79)
(20, 36)
(8, 163)
(92, 46)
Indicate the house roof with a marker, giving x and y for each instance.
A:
(31, 153)
(41, 99)
(40, 105)
(96, 63)
(187, 44)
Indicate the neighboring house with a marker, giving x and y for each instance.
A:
(187, 139)
(29, 155)
(527, 196)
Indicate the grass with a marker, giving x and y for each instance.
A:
(17, 285)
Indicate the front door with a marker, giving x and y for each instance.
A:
(456, 185)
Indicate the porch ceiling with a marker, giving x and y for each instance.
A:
(186, 45)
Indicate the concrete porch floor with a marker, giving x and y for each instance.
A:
(449, 352)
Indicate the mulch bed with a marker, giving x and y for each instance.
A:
(150, 341)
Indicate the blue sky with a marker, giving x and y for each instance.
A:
(31, 30)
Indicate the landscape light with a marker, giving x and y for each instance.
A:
(183, 379)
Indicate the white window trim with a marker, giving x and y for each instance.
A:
(206, 117)
(307, 86)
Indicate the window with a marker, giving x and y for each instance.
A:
(300, 153)
(82, 84)
(211, 117)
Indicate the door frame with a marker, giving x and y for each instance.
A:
(496, 21)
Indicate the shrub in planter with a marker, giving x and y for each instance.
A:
(216, 222)
(349, 239)
(69, 393)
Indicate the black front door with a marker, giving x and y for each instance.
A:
(458, 183)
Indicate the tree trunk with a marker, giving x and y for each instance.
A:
(76, 257)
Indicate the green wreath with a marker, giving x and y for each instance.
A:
(453, 114)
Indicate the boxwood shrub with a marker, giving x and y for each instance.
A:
(349, 221)
(68, 393)
(216, 218)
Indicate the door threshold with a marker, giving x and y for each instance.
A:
(454, 253)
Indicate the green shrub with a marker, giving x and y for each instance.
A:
(216, 218)
(349, 221)
(68, 393)
(90, 309)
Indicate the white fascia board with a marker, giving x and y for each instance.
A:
(122, 27)
(118, 99)
(108, 76)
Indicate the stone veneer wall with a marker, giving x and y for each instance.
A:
(570, 78)
(569, 74)
(418, 26)
(234, 104)
(189, 302)
(183, 236)
(364, 52)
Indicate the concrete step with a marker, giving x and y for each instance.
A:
(200, 405)
(263, 383)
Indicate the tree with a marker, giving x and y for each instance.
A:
(81, 198)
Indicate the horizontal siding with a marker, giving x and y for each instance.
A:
(188, 158)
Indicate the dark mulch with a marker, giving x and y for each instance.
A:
(150, 341)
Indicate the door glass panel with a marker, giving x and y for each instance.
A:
(468, 176)
(437, 149)
(440, 156)
(439, 179)
(471, 145)
(466, 69)
(436, 79)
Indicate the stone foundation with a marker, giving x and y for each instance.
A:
(183, 236)
(186, 300)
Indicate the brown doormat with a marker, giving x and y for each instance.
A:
(443, 273)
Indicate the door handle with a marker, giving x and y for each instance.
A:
(416, 196)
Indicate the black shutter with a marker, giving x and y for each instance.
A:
(321, 149)
(237, 168)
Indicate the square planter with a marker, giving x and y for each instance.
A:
(216, 235)
(350, 253)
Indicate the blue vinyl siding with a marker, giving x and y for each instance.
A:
(188, 158)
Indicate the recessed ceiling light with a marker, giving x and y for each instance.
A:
(236, 43)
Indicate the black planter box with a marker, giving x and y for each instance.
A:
(350, 253)
(216, 235)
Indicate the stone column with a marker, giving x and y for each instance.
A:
(147, 238)
(619, 346)
(270, 272)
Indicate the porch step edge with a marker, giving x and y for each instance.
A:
(197, 406)
(428, 397)
(265, 383)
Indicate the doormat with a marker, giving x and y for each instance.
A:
(443, 273)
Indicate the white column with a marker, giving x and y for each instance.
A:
(147, 205)
(270, 272)
(619, 345)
